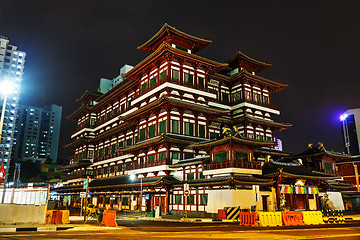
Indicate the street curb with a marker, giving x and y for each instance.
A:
(34, 229)
(182, 220)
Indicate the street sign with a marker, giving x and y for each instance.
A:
(82, 194)
(186, 192)
(85, 184)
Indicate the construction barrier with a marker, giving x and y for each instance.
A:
(312, 217)
(48, 217)
(292, 218)
(221, 214)
(270, 219)
(249, 219)
(333, 216)
(109, 219)
(232, 213)
(56, 217)
(65, 216)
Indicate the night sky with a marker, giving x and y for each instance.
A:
(313, 46)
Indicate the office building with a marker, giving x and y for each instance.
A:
(37, 133)
(350, 125)
(11, 69)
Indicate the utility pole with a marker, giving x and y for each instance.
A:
(86, 186)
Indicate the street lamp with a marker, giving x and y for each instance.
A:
(6, 87)
(132, 178)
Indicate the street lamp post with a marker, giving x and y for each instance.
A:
(6, 87)
(133, 177)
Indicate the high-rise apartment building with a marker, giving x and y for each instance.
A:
(37, 133)
(11, 69)
(350, 122)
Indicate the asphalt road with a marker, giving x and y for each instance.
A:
(145, 230)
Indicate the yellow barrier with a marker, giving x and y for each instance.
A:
(270, 219)
(65, 216)
(232, 213)
(312, 217)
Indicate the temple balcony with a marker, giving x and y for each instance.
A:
(234, 102)
(235, 166)
(192, 85)
(82, 127)
(109, 156)
(148, 167)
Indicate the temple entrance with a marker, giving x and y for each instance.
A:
(265, 203)
(300, 202)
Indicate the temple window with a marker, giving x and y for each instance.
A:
(266, 99)
(162, 127)
(181, 48)
(178, 199)
(241, 156)
(100, 153)
(129, 142)
(163, 75)
(142, 134)
(106, 151)
(152, 131)
(175, 74)
(189, 129)
(190, 176)
(190, 199)
(143, 87)
(99, 171)
(119, 168)
(220, 156)
(201, 81)
(121, 144)
(112, 169)
(214, 135)
(201, 175)
(175, 155)
(201, 131)
(151, 158)
(105, 170)
(188, 78)
(152, 81)
(108, 115)
(115, 111)
(90, 154)
(113, 148)
(162, 155)
(175, 126)
(188, 155)
(248, 95)
(203, 199)
(92, 121)
(236, 96)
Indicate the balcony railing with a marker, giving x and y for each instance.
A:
(241, 100)
(333, 172)
(109, 156)
(234, 164)
(154, 163)
(177, 81)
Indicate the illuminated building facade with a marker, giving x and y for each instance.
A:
(350, 123)
(194, 131)
(11, 69)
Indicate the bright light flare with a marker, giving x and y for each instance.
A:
(343, 117)
(132, 177)
(6, 87)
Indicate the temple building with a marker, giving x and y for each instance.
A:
(197, 134)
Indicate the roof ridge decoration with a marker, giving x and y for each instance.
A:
(170, 34)
(166, 48)
(240, 57)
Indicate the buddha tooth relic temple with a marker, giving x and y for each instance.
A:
(197, 135)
